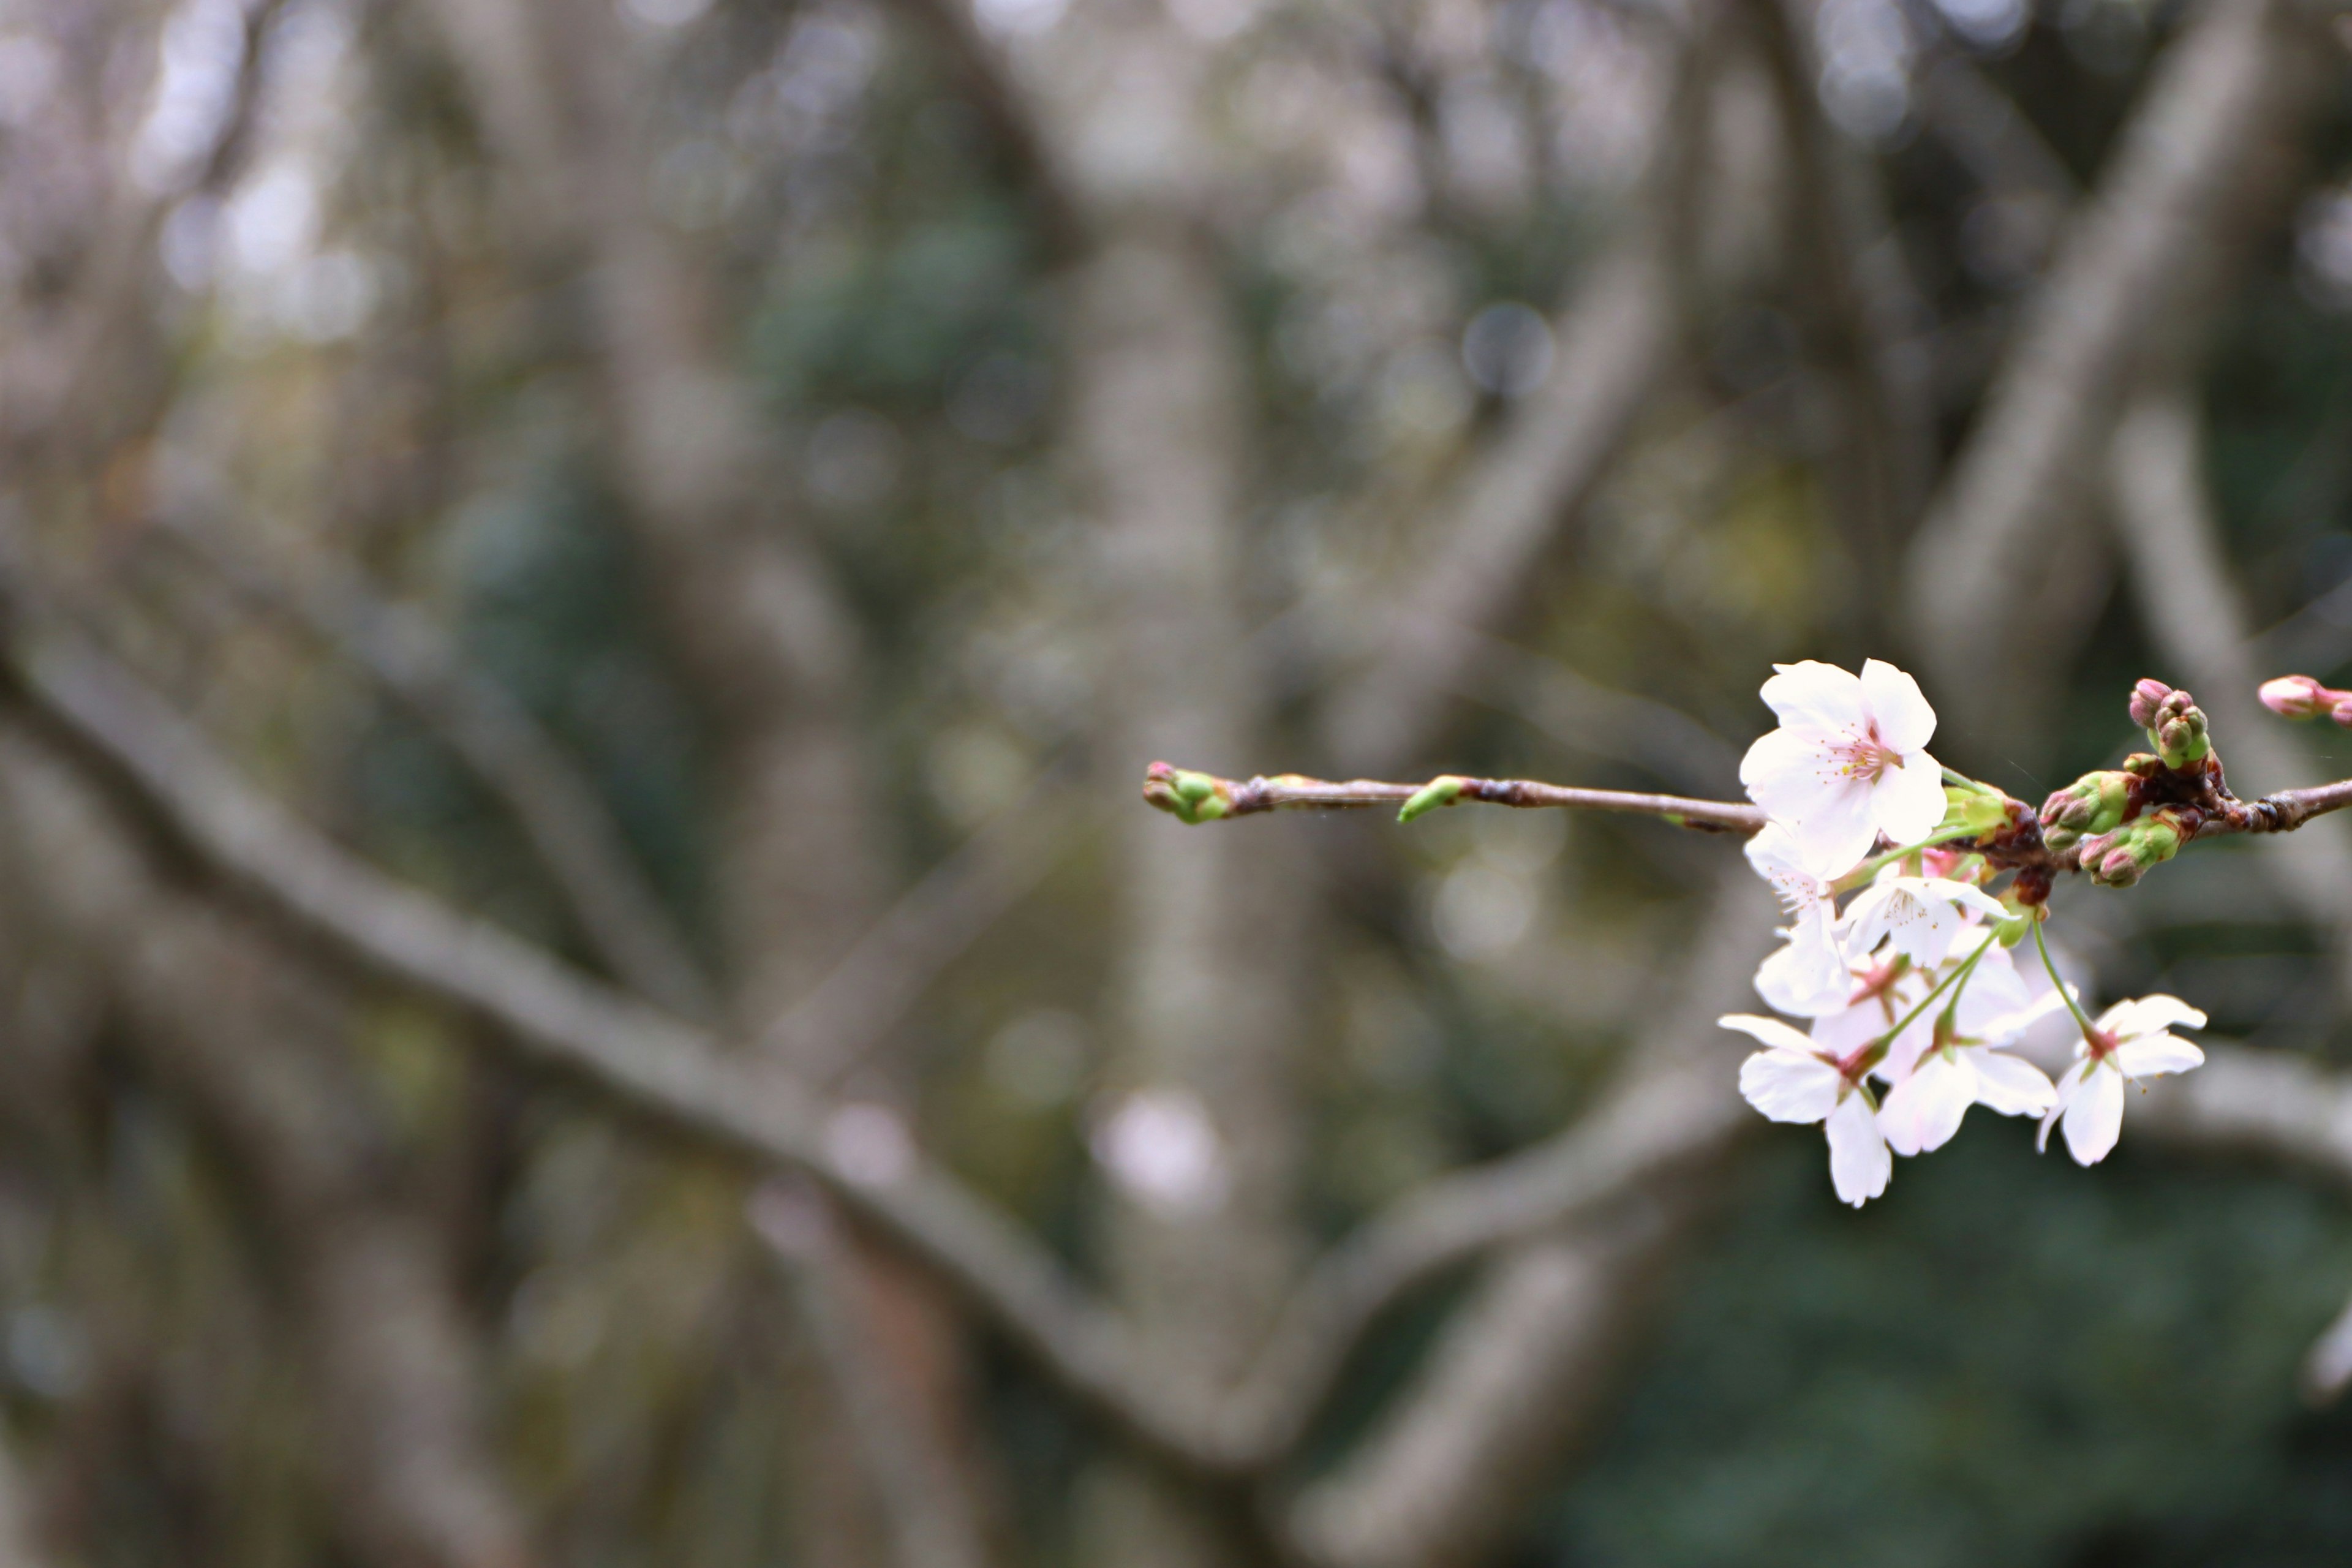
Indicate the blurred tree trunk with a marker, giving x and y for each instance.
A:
(1206, 1011)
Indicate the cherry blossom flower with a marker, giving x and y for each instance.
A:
(2130, 1040)
(1923, 915)
(1808, 974)
(1965, 1064)
(1849, 761)
(1790, 1080)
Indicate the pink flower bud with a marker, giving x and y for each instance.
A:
(2297, 697)
(2147, 697)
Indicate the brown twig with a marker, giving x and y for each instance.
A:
(1204, 797)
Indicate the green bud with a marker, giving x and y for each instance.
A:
(1437, 791)
(1974, 810)
(2096, 803)
(1189, 797)
(2121, 858)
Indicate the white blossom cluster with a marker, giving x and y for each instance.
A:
(1909, 997)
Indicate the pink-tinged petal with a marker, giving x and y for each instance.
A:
(1840, 1032)
(1924, 1110)
(1839, 826)
(1806, 975)
(1790, 1087)
(1769, 1032)
(1906, 722)
(1859, 1162)
(2094, 1117)
(1820, 697)
(2152, 1056)
(2010, 1086)
(1907, 801)
(1995, 999)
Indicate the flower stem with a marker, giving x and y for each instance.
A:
(2072, 1006)
(1875, 1052)
(1871, 868)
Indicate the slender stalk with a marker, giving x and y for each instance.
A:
(1204, 797)
(1958, 976)
(2042, 948)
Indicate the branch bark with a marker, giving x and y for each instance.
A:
(2138, 275)
(229, 1025)
(575, 838)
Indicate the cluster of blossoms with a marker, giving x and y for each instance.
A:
(1909, 996)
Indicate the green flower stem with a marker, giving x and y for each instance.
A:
(2042, 948)
(1877, 1051)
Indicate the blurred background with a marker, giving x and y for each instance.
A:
(733, 493)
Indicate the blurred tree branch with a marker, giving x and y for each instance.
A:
(1998, 577)
(576, 839)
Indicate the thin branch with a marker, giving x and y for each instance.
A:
(831, 1027)
(1617, 339)
(496, 737)
(924, 1505)
(1204, 797)
(664, 1069)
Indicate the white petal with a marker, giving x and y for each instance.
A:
(1924, 1110)
(1867, 918)
(1807, 974)
(1839, 826)
(1787, 1086)
(1925, 930)
(1776, 854)
(2069, 1085)
(2152, 1056)
(2095, 1116)
(1995, 1004)
(1907, 801)
(1966, 895)
(1906, 722)
(1771, 1032)
(2147, 1014)
(2011, 1087)
(1859, 1162)
(1786, 771)
(1816, 696)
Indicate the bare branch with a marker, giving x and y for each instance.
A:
(848, 1013)
(249, 1044)
(2138, 274)
(922, 1498)
(667, 1070)
(1203, 798)
(499, 739)
(1617, 337)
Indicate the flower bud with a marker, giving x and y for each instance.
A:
(2296, 697)
(1187, 796)
(2096, 803)
(2121, 858)
(2144, 697)
(2182, 739)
